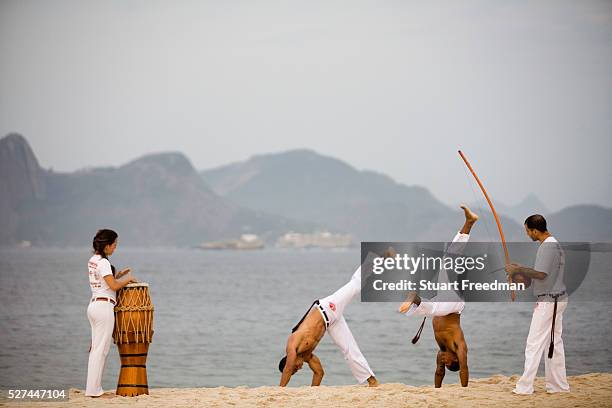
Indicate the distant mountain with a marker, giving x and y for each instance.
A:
(531, 204)
(581, 223)
(304, 185)
(22, 182)
(158, 199)
(307, 186)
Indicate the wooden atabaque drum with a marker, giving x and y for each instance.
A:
(132, 334)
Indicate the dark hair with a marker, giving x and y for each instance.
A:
(454, 366)
(103, 238)
(281, 364)
(536, 221)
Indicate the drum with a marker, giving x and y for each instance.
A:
(133, 332)
(521, 278)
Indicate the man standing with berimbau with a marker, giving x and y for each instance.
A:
(547, 320)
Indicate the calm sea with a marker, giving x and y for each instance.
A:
(222, 318)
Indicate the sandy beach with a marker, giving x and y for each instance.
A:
(587, 390)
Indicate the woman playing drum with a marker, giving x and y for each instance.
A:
(100, 310)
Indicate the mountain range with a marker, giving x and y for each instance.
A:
(158, 199)
(161, 199)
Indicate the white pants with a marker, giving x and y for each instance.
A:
(446, 303)
(339, 331)
(537, 343)
(102, 319)
(431, 308)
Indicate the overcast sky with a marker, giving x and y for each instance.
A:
(523, 87)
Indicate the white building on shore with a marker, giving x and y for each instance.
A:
(323, 239)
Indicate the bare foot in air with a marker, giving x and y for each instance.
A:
(372, 381)
(410, 299)
(470, 216)
(390, 253)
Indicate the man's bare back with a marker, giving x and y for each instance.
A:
(311, 331)
(300, 347)
(453, 348)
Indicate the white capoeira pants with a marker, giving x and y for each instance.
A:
(537, 343)
(446, 304)
(339, 331)
(431, 308)
(102, 319)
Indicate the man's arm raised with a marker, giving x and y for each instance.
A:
(440, 370)
(289, 364)
(464, 374)
(317, 370)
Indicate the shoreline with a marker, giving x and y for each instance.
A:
(593, 389)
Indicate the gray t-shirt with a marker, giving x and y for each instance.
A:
(550, 259)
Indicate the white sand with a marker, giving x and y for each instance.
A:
(587, 390)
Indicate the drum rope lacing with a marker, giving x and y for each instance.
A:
(141, 324)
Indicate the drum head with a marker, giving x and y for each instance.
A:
(137, 285)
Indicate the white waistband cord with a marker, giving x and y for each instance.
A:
(322, 311)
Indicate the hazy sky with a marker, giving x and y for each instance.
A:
(523, 87)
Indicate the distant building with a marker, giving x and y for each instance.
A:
(25, 244)
(316, 240)
(245, 242)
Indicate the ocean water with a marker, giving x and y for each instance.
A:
(222, 319)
